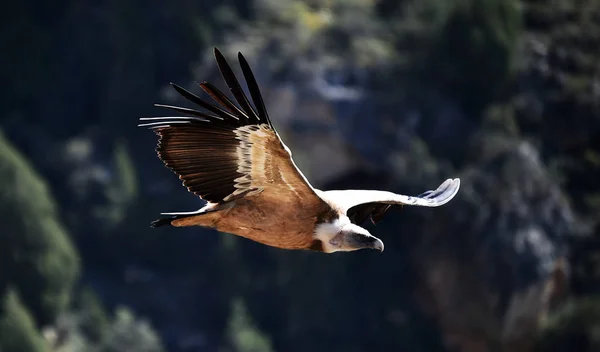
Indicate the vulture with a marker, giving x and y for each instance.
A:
(231, 156)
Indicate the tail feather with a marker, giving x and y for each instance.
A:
(169, 217)
(161, 222)
(168, 220)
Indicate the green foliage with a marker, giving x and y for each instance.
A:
(94, 321)
(242, 333)
(18, 332)
(128, 334)
(325, 33)
(126, 179)
(477, 44)
(75, 330)
(36, 253)
(565, 74)
(122, 191)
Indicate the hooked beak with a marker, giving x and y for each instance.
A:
(378, 244)
(359, 241)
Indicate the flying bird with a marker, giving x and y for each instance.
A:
(232, 157)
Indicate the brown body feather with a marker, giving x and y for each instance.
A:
(260, 220)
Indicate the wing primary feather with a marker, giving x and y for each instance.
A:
(444, 193)
(166, 118)
(220, 98)
(176, 119)
(189, 112)
(425, 194)
(196, 99)
(234, 85)
(253, 88)
(162, 123)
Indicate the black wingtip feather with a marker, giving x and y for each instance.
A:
(197, 100)
(220, 98)
(234, 86)
(253, 88)
(189, 112)
(226, 111)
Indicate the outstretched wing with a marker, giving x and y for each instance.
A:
(228, 152)
(360, 204)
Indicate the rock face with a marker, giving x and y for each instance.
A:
(491, 264)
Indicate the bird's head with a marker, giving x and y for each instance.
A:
(343, 236)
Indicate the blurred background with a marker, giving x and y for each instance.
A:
(377, 94)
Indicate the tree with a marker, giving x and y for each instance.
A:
(17, 328)
(129, 334)
(243, 335)
(36, 255)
